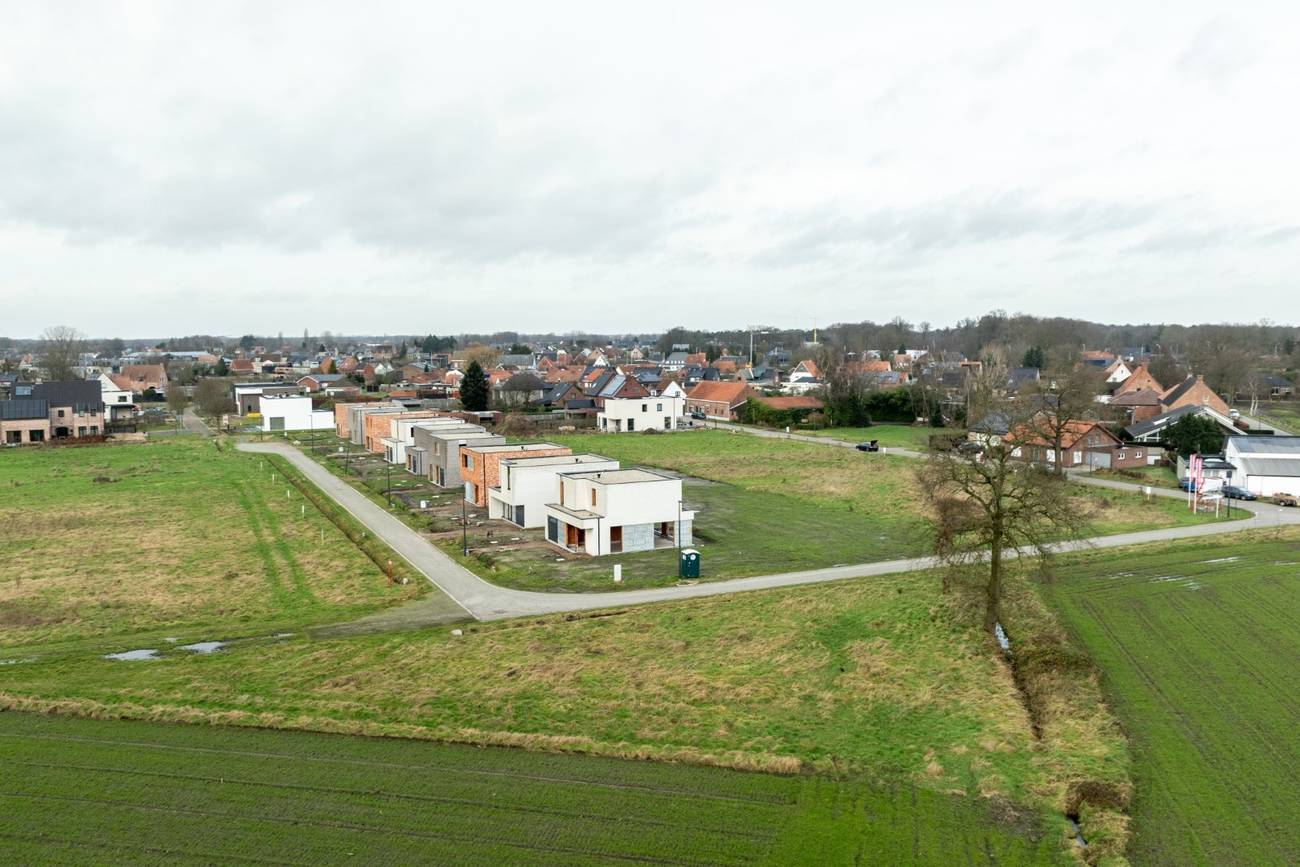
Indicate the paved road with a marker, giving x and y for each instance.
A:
(190, 419)
(485, 601)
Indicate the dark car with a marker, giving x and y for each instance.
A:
(1187, 484)
(1233, 492)
(870, 446)
(696, 414)
(969, 448)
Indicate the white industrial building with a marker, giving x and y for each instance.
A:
(528, 484)
(287, 412)
(618, 511)
(631, 414)
(1265, 465)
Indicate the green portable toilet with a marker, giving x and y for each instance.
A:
(690, 564)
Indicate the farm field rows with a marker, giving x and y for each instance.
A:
(1199, 644)
(179, 539)
(136, 792)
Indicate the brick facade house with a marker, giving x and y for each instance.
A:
(480, 466)
(719, 399)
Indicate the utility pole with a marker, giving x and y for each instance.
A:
(388, 482)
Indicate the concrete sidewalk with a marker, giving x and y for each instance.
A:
(485, 601)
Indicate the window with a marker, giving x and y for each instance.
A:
(593, 496)
(60, 413)
(659, 407)
(94, 430)
(1120, 456)
(1137, 454)
(81, 431)
(644, 407)
(1078, 457)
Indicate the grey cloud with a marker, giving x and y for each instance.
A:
(1197, 240)
(951, 222)
(451, 185)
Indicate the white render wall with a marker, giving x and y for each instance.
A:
(533, 487)
(641, 413)
(292, 412)
(636, 505)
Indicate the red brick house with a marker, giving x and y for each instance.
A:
(1193, 391)
(1084, 444)
(719, 399)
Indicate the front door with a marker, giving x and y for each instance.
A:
(519, 515)
(615, 539)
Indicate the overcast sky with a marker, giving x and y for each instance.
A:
(210, 167)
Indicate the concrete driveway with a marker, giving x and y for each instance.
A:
(485, 601)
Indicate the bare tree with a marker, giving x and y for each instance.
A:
(213, 397)
(60, 352)
(984, 505)
(1064, 398)
(176, 401)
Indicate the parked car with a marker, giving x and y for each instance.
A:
(870, 446)
(698, 415)
(1286, 500)
(1187, 484)
(1232, 492)
(969, 448)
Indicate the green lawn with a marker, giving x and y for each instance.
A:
(1199, 644)
(1283, 414)
(889, 435)
(182, 538)
(134, 792)
(1160, 477)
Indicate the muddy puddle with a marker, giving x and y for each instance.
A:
(133, 655)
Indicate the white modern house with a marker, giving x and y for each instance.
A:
(402, 435)
(247, 394)
(528, 484)
(119, 403)
(1265, 465)
(617, 511)
(630, 414)
(420, 453)
(286, 412)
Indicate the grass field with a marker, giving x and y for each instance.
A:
(176, 539)
(883, 678)
(1160, 477)
(1283, 414)
(1200, 648)
(889, 435)
(133, 792)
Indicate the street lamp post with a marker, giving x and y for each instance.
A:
(464, 518)
(388, 482)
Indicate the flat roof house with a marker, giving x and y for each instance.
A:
(357, 413)
(528, 484)
(247, 394)
(379, 426)
(629, 414)
(287, 412)
(439, 452)
(480, 465)
(617, 511)
(403, 434)
(1265, 465)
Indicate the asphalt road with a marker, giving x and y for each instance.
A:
(485, 601)
(190, 419)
